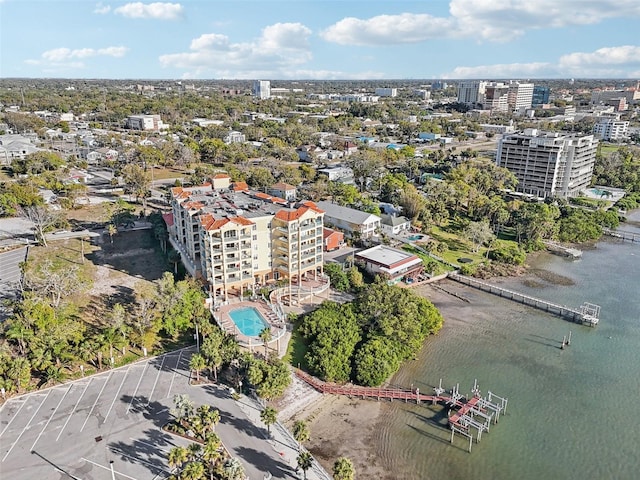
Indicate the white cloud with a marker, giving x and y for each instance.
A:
(72, 58)
(606, 62)
(387, 29)
(506, 70)
(280, 48)
(156, 11)
(102, 9)
(492, 20)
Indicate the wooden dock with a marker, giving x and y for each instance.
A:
(466, 416)
(587, 314)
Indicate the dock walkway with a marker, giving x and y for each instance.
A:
(475, 413)
(587, 314)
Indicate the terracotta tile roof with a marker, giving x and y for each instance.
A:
(221, 175)
(240, 187)
(168, 219)
(210, 223)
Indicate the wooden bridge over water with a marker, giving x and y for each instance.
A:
(466, 416)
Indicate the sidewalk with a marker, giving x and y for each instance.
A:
(281, 440)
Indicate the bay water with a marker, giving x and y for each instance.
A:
(572, 413)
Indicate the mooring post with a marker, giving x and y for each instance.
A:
(569, 339)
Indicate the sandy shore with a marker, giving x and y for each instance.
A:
(351, 427)
(341, 426)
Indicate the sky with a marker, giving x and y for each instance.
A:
(320, 39)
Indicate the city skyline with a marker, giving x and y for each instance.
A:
(320, 40)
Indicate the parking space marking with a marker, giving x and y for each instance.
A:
(15, 415)
(108, 468)
(136, 459)
(133, 397)
(27, 426)
(54, 412)
(175, 370)
(96, 401)
(164, 449)
(74, 409)
(117, 393)
(164, 357)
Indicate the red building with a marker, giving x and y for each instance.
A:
(332, 239)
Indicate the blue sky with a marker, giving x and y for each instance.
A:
(320, 39)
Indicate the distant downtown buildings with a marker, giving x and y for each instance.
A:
(548, 164)
(496, 96)
(234, 238)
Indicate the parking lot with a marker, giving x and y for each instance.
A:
(84, 429)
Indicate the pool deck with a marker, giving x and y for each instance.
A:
(278, 327)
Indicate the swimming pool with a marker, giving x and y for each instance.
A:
(415, 237)
(248, 320)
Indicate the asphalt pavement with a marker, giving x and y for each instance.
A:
(108, 426)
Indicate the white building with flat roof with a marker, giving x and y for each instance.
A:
(262, 89)
(548, 164)
(392, 263)
(611, 129)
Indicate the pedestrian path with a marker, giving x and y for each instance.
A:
(281, 440)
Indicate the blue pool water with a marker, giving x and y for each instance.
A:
(248, 320)
(415, 237)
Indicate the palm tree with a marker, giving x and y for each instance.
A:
(183, 406)
(265, 336)
(305, 461)
(233, 470)
(209, 417)
(301, 432)
(269, 416)
(112, 230)
(193, 471)
(197, 364)
(177, 456)
(193, 451)
(211, 451)
(343, 469)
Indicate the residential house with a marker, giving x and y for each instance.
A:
(394, 225)
(284, 190)
(333, 239)
(354, 222)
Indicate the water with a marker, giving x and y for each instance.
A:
(248, 320)
(571, 414)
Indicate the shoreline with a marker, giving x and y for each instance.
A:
(354, 428)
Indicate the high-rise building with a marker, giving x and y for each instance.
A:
(496, 97)
(520, 96)
(548, 164)
(540, 95)
(471, 92)
(262, 89)
(234, 238)
(386, 92)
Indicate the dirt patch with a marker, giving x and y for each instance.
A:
(551, 277)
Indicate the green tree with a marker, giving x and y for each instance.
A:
(265, 336)
(375, 361)
(339, 280)
(137, 183)
(343, 469)
(269, 416)
(479, 233)
(301, 432)
(177, 457)
(305, 462)
(197, 364)
(233, 470)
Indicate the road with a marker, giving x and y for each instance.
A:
(10, 276)
(75, 430)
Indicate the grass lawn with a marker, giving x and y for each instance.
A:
(457, 247)
(296, 351)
